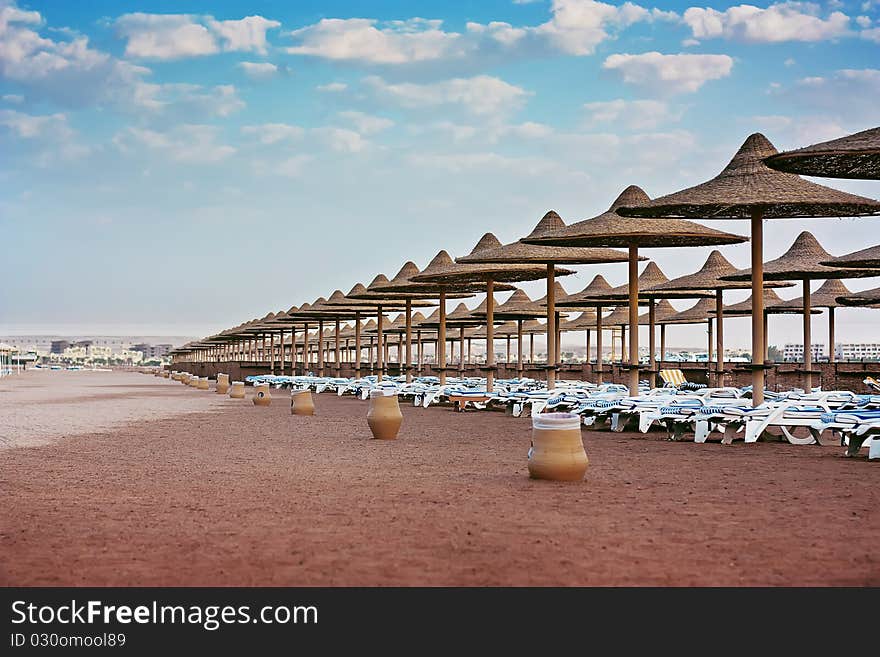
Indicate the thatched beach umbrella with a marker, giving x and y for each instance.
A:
(612, 230)
(855, 156)
(748, 189)
(709, 278)
(550, 256)
(489, 274)
(866, 258)
(801, 262)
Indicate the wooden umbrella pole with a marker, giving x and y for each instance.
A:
(336, 355)
(292, 351)
(766, 333)
(461, 351)
(588, 346)
(440, 348)
(719, 337)
(469, 357)
(272, 352)
(634, 320)
(490, 335)
(408, 359)
(711, 339)
(758, 336)
(519, 348)
(662, 343)
(380, 344)
(357, 344)
(320, 347)
(419, 356)
(370, 356)
(551, 326)
(832, 354)
(599, 360)
(652, 341)
(808, 338)
(507, 359)
(306, 350)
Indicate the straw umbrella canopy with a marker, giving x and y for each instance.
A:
(870, 298)
(855, 156)
(825, 297)
(610, 229)
(406, 284)
(869, 258)
(801, 262)
(523, 252)
(748, 189)
(709, 278)
(488, 273)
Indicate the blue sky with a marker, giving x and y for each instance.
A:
(190, 171)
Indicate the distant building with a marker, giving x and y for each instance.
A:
(58, 346)
(794, 353)
(152, 352)
(857, 351)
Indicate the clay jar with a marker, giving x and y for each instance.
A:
(301, 402)
(203, 383)
(222, 384)
(384, 416)
(557, 450)
(261, 395)
(236, 390)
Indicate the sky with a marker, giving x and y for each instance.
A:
(181, 173)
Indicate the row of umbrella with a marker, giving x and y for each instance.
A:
(757, 184)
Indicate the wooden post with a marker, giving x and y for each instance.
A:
(408, 362)
(808, 338)
(634, 320)
(380, 363)
(440, 348)
(519, 348)
(490, 334)
(357, 344)
(758, 337)
(832, 353)
(652, 341)
(719, 337)
(599, 356)
(336, 345)
(551, 326)
(306, 353)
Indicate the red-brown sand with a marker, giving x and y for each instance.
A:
(241, 495)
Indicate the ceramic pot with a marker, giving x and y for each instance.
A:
(261, 395)
(222, 384)
(203, 383)
(166, 374)
(557, 450)
(236, 390)
(301, 402)
(384, 416)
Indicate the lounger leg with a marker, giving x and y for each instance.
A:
(701, 431)
(730, 431)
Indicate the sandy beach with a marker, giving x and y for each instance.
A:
(125, 479)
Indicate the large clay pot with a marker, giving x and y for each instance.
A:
(222, 384)
(203, 383)
(301, 402)
(166, 374)
(261, 395)
(384, 416)
(557, 450)
(236, 390)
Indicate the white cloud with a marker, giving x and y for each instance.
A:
(188, 100)
(459, 163)
(173, 36)
(68, 72)
(332, 87)
(14, 99)
(48, 137)
(341, 140)
(576, 27)
(789, 62)
(187, 143)
(871, 35)
(669, 74)
(863, 21)
(272, 133)
(480, 95)
(258, 70)
(787, 21)
(366, 124)
(367, 40)
(631, 114)
(28, 126)
(245, 35)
